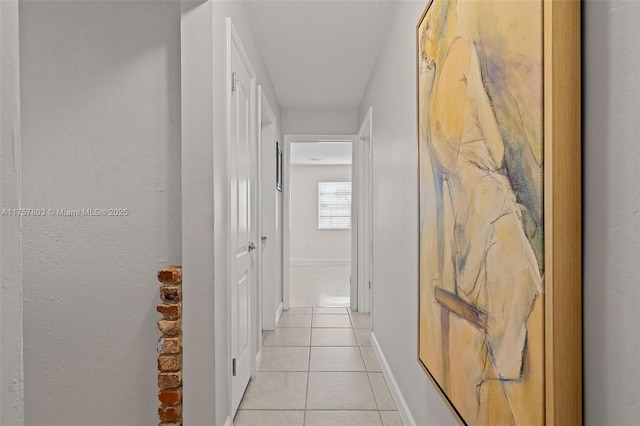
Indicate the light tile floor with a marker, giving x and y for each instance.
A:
(320, 284)
(318, 369)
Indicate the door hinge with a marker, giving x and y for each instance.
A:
(369, 284)
(233, 367)
(234, 82)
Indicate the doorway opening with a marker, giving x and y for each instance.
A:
(320, 209)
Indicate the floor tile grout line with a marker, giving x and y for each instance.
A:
(364, 361)
(306, 396)
(310, 346)
(375, 398)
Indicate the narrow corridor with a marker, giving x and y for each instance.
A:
(318, 369)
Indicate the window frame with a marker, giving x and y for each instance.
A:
(331, 226)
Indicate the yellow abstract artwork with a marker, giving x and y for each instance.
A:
(481, 159)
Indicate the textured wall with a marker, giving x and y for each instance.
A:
(611, 144)
(101, 129)
(11, 365)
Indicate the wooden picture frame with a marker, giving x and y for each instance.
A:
(444, 308)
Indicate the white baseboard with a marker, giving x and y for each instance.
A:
(259, 358)
(319, 259)
(398, 398)
(229, 422)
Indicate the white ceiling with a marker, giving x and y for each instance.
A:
(320, 153)
(319, 53)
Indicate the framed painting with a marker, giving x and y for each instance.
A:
(500, 209)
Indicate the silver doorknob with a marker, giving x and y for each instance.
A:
(252, 246)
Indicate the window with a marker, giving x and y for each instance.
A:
(334, 205)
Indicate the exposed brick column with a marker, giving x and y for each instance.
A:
(170, 347)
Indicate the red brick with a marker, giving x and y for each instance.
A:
(169, 380)
(170, 327)
(169, 362)
(170, 396)
(170, 275)
(170, 311)
(171, 345)
(171, 293)
(169, 414)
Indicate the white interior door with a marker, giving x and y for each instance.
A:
(240, 230)
(364, 282)
(268, 240)
(364, 214)
(368, 211)
(355, 156)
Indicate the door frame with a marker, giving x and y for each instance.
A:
(234, 39)
(363, 174)
(286, 201)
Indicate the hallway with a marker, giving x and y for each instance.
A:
(124, 107)
(318, 368)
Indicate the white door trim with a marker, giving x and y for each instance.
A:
(364, 217)
(286, 202)
(234, 39)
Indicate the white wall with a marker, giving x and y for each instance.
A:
(100, 129)
(392, 93)
(611, 117)
(11, 361)
(307, 241)
(197, 211)
(319, 122)
(611, 144)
